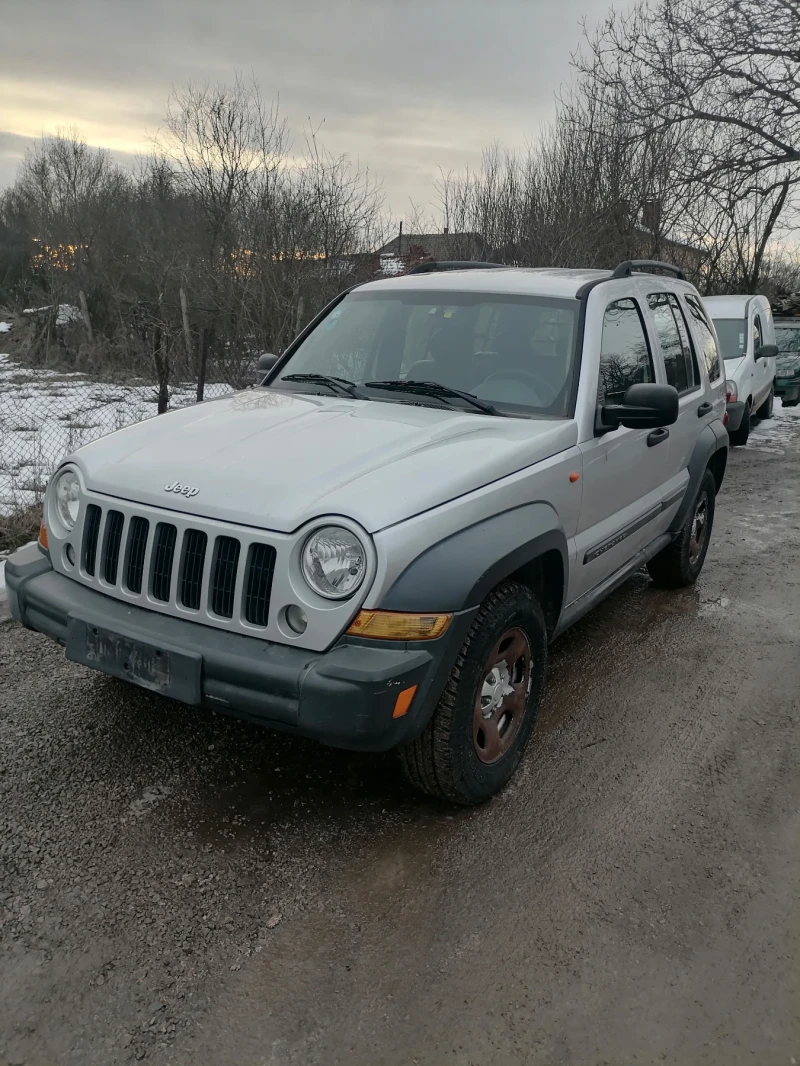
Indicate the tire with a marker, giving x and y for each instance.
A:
(680, 563)
(454, 758)
(765, 410)
(789, 403)
(739, 436)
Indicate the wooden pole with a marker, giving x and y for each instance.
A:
(187, 333)
(201, 373)
(85, 312)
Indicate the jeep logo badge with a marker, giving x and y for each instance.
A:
(182, 490)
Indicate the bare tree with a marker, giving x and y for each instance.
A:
(726, 78)
(734, 65)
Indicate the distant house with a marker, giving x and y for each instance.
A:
(421, 247)
(651, 245)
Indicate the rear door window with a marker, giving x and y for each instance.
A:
(680, 360)
(705, 337)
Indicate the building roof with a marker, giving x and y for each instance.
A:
(436, 245)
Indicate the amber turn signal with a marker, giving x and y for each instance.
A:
(394, 625)
(403, 701)
(43, 537)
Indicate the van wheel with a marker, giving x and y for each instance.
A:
(486, 714)
(739, 436)
(680, 563)
(765, 410)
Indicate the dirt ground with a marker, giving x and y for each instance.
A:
(180, 888)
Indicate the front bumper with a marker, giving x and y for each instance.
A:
(787, 388)
(735, 414)
(343, 697)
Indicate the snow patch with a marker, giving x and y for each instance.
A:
(5, 327)
(773, 435)
(66, 313)
(45, 415)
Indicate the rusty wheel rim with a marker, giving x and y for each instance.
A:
(697, 537)
(501, 702)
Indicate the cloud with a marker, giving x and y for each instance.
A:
(404, 85)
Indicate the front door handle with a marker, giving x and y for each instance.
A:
(704, 409)
(656, 437)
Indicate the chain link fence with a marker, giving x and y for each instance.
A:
(45, 414)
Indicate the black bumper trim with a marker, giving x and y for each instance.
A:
(343, 697)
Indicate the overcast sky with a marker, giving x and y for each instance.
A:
(407, 86)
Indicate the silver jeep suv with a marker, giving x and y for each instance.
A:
(375, 547)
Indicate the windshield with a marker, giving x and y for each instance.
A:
(787, 338)
(516, 352)
(732, 333)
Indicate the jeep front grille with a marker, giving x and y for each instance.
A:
(177, 567)
(91, 532)
(163, 557)
(260, 567)
(226, 564)
(137, 546)
(194, 558)
(112, 541)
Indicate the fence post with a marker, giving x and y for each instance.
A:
(187, 333)
(201, 373)
(85, 312)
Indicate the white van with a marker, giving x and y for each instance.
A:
(746, 334)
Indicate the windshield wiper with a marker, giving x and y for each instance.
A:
(338, 385)
(435, 389)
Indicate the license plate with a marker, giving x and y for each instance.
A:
(171, 672)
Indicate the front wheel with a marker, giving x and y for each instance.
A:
(486, 713)
(680, 563)
(765, 410)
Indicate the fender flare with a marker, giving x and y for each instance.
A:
(712, 439)
(458, 572)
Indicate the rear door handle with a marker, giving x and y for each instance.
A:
(657, 436)
(704, 409)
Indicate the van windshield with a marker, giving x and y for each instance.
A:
(515, 352)
(732, 333)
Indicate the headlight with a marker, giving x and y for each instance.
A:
(334, 562)
(731, 392)
(65, 499)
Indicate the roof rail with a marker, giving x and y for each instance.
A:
(624, 270)
(467, 264)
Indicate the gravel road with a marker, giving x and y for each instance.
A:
(180, 888)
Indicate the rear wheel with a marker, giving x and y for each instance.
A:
(739, 436)
(486, 714)
(680, 563)
(765, 410)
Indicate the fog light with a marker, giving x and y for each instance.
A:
(296, 618)
(70, 554)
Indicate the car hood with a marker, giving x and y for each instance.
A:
(276, 460)
(732, 368)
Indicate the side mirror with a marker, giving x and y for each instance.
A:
(767, 351)
(643, 407)
(266, 362)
